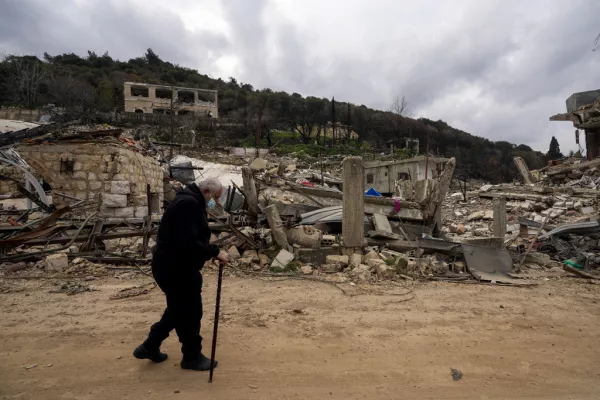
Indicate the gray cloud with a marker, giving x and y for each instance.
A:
(497, 69)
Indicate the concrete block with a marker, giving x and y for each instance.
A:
(120, 187)
(114, 200)
(283, 259)
(79, 175)
(56, 262)
(92, 176)
(486, 188)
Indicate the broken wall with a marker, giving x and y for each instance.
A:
(111, 173)
(9, 186)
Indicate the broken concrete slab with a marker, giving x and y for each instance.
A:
(283, 259)
(371, 255)
(476, 215)
(587, 210)
(234, 254)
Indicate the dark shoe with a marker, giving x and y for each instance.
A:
(155, 356)
(201, 364)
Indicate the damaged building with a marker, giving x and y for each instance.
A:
(122, 180)
(96, 165)
(583, 109)
(381, 175)
(160, 99)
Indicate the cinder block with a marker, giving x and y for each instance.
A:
(82, 185)
(77, 166)
(79, 175)
(92, 176)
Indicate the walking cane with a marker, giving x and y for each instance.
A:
(216, 323)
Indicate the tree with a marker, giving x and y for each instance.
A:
(21, 79)
(554, 151)
(400, 107)
(596, 43)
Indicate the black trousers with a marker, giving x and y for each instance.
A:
(183, 313)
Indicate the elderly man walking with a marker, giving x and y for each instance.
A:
(182, 248)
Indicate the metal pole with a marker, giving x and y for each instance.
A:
(216, 323)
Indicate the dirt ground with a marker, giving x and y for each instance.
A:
(298, 339)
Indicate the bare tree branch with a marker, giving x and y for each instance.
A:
(400, 106)
(596, 43)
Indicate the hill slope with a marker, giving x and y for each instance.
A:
(96, 83)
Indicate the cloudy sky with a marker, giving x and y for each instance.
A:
(494, 68)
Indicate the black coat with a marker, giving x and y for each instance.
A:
(182, 243)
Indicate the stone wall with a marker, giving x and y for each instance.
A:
(9, 186)
(111, 173)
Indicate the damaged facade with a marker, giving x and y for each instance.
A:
(160, 99)
(122, 180)
(583, 109)
(382, 175)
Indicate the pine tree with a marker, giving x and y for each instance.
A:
(554, 151)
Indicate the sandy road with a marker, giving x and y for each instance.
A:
(306, 340)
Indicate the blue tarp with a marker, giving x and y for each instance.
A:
(372, 192)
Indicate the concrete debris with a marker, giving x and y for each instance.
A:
(56, 263)
(293, 210)
(283, 258)
(306, 269)
(234, 253)
(338, 260)
(384, 271)
(259, 164)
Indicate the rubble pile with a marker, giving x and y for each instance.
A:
(279, 216)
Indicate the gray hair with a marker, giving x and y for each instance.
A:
(210, 185)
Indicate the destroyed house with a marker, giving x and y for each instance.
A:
(123, 181)
(382, 175)
(163, 99)
(583, 109)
